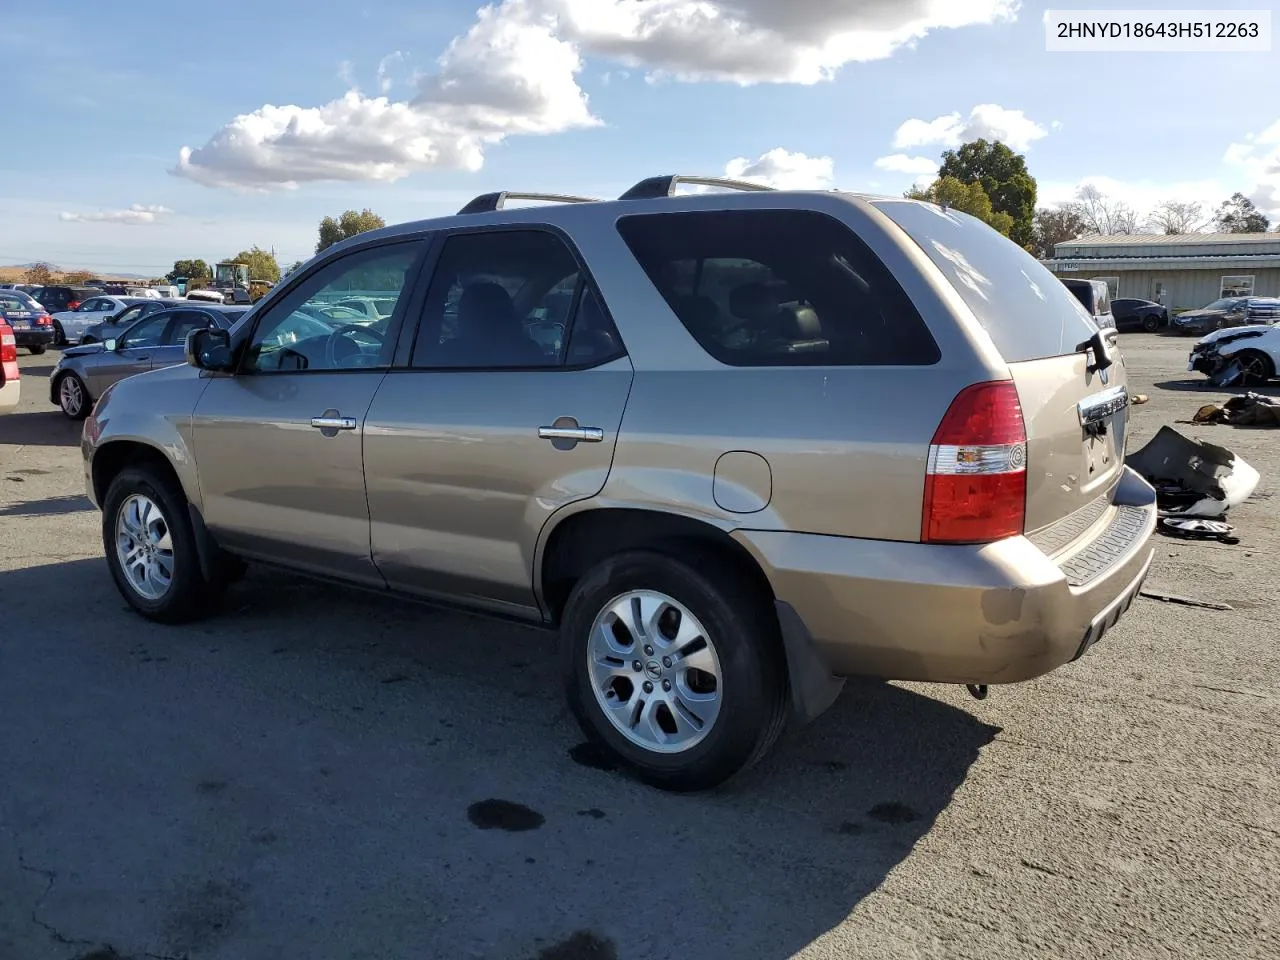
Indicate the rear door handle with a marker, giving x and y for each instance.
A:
(576, 434)
(333, 423)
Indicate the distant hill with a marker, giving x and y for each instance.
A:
(15, 273)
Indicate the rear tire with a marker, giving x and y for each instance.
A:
(1151, 324)
(708, 648)
(36, 350)
(151, 548)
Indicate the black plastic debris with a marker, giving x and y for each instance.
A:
(1193, 478)
(1248, 410)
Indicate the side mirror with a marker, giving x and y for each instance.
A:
(111, 345)
(209, 349)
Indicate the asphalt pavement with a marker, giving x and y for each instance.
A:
(320, 773)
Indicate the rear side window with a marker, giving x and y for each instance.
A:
(1026, 310)
(763, 288)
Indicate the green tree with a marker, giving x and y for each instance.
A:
(1239, 215)
(262, 263)
(191, 269)
(968, 198)
(1053, 227)
(292, 267)
(38, 273)
(1004, 178)
(347, 225)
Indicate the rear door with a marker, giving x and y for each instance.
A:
(1075, 416)
(494, 424)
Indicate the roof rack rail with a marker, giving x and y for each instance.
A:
(488, 202)
(665, 186)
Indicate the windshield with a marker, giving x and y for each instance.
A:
(1225, 304)
(1027, 312)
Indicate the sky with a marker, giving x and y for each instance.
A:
(134, 139)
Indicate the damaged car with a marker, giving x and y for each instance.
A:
(1238, 356)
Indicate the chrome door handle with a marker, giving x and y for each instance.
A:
(576, 434)
(334, 423)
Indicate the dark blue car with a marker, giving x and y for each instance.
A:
(31, 323)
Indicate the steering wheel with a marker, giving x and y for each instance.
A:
(331, 342)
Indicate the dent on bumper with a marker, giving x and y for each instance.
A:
(998, 613)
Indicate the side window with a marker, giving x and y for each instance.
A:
(126, 317)
(309, 330)
(184, 321)
(146, 333)
(499, 300)
(779, 288)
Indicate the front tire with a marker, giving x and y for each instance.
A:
(1151, 324)
(73, 397)
(675, 669)
(36, 350)
(151, 547)
(59, 335)
(1256, 368)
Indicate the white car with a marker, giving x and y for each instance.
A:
(1238, 356)
(69, 325)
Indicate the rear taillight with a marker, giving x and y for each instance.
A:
(8, 354)
(44, 320)
(976, 487)
(72, 304)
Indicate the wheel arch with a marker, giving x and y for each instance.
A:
(115, 456)
(574, 543)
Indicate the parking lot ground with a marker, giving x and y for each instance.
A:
(312, 773)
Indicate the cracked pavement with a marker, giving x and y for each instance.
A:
(303, 776)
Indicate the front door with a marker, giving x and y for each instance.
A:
(132, 354)
(279, 443)
(508, 410)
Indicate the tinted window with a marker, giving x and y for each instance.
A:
(146, 333)
(778, 287)
(126, 317)
(307, 330)
(184, 321)
(1025, 309)
(508, 299)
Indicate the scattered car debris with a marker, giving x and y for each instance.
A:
(1139, 398)
(1184, 601)
(1247, 410)
(1193, 528)
(1193, 478)
(1228, 375)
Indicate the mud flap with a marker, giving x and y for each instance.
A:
(813, 687)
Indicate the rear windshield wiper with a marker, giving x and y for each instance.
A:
(1100, 347)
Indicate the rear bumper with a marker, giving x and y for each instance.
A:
(999, 613)
(34, 337)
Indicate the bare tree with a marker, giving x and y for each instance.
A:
(1174, 216)
(1100, 214)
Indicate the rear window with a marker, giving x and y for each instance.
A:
(778, 288)
(1027, 312)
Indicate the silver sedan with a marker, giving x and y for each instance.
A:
(156, 341)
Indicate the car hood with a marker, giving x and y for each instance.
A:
(1198, 315)
(84, 351)
(1234, 332)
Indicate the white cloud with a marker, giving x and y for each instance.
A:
(988, 121)
(136, 214)
(1257, 160)
(384, 66)
(515, 72)
(507, 75)
(901, 163)
(758, 41)
(784, 170)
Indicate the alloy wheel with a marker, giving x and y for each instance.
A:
(654, 671)
(144, 546)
